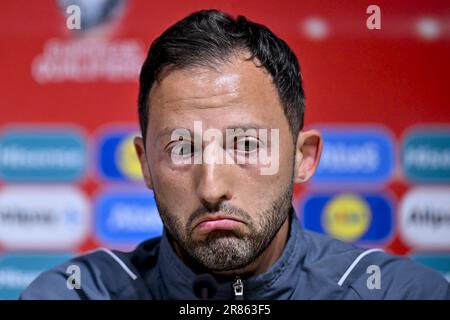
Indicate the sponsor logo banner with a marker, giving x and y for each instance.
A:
(360, 155)
(424, 218)
(361, 218)
(17, 271)
(43, 217)
(117, 159)
(90, 53)
(126, 218)
(426, 156)
(42, 155)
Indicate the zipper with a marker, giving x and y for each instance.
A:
(238, 287)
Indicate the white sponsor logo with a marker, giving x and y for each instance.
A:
(17, 157)
(114, 61)
(427, 158)
(425, 218)
(342, 157)
(43, 217)
(133, 218)
(12, 278)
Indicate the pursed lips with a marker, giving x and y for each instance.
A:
(217, 222)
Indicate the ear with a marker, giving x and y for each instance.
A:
(140, 151)
(307, 155)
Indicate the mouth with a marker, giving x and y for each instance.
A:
(218, 222)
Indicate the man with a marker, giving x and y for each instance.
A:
(229, 228)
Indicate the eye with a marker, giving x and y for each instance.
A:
(182, 149)
(246, 144)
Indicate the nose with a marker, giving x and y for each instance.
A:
(214, 178)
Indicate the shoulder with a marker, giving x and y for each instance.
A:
(385, 276)
(102, 274)
(358, 273)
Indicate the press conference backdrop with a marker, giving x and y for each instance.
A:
(69, 178)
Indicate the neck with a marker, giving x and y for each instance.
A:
(260, 265)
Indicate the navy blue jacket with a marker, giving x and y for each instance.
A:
(312, 266)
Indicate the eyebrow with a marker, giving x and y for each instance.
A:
(168, 130)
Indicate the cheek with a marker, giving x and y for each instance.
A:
(257, 192)
(174, 190)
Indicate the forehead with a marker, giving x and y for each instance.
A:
(230, 94)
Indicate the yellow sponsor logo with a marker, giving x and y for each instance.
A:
(346, 217)
(127, 159)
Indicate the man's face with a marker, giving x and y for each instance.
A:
(251, 206)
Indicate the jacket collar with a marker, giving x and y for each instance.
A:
(279, 282)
